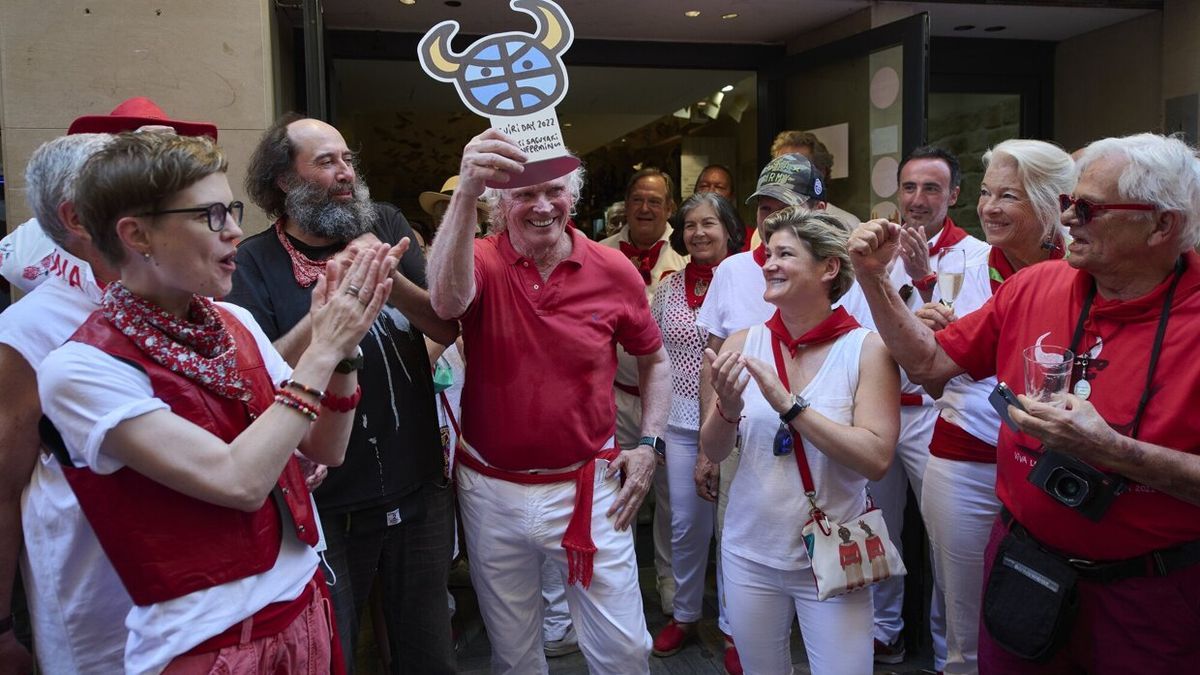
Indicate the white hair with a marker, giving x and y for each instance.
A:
(1045, 171)
(1161, 170)
(499, 205)
(51, 174)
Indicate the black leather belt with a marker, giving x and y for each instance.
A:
(1154, 564)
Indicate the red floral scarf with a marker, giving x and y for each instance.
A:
(831, 327)
(199, 348)
(643, 259)
(304, 268)
(696, 279)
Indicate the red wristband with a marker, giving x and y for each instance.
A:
(927, 282)
(342, 404)
(722, 414)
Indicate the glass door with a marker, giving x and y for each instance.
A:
(864, 97)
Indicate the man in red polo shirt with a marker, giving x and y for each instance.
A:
(542, 309)
(1126, 301)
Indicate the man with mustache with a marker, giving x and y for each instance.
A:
(386, 512)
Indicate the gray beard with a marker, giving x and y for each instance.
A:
(311, 208)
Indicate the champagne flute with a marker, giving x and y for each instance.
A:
(951, 267)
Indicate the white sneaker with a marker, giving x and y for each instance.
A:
(569, 644)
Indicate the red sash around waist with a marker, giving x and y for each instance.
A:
(577, 540)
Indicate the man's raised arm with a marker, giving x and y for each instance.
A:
(489, 156)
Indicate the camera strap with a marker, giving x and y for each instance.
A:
(1155, 351)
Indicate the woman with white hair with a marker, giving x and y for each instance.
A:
(1019, 210)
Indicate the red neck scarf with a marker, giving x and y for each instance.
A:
(951, 235)
(760, 255)
(304, 268)
(831, 327)
(199, 348)
(643, 259)
(1000, 269)
(696, 278)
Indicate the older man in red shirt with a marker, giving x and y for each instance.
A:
(542, 310)
(1125, 572)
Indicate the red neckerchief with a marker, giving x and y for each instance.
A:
(304, 268)
(643, 259)
(760, 255)
(837, 324)
(1000, 269)
(696, 279)
(200, 348)
(951, 235)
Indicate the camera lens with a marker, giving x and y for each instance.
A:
(1067, 487)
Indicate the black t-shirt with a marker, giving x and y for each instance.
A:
(395, 445)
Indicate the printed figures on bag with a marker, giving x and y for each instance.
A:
(876, 554)
(850, 556)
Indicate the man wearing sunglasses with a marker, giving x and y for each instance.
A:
(1126, 300)
(387, 511)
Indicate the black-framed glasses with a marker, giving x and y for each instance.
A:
(217, 213)
(1085, 210)
(783, 441)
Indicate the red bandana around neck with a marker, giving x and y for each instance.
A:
(200, 348)
(304, 268)
(643, 259)
(831, 327)
(951, 235)
(1000, 269)
(760, 255)
(696, 279)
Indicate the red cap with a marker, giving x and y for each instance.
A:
(136, 112)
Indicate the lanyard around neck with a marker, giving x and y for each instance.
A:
(1155, 351)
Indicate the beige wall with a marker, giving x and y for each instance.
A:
(205, 60)
(1109, 82)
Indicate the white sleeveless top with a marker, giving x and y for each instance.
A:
(767, 507)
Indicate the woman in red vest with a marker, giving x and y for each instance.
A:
(177, 420)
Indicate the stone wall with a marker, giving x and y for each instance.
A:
(969, 126)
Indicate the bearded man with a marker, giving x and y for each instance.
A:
(386, 512)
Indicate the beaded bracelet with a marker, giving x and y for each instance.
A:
(342, 404)
(298, 386)
(722, 414)
(299, 407)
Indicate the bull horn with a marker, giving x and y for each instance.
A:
(554, 28)
(434, 51)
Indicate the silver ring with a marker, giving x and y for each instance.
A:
(352, 290)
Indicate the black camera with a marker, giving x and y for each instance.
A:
(1076, 484)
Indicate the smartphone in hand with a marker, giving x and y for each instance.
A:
(1002, 397)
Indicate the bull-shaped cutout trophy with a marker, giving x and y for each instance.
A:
(514, 80)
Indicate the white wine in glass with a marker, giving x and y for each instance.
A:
(951, 267)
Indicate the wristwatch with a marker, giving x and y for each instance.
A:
(351, 364)
(799, 405)
(656, 442)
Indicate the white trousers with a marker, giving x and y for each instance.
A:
(891, 495)
(729, 467)
(556, 619)
(511, 529)
(629, 431)
(762, 602)
(691, 525)
(960, 506)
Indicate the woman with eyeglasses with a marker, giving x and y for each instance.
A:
(706, 228)
(1019, 210)
(810, 380)
(176, 420)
